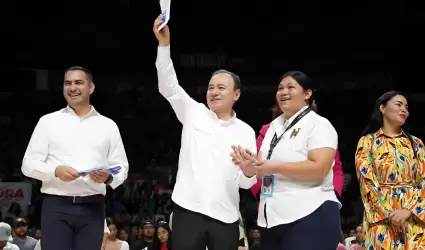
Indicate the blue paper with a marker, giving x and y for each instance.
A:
(114, 170)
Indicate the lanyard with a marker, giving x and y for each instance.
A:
(276, 139)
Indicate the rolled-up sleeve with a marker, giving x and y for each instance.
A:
(34, 163)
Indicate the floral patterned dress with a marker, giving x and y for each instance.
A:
(391, 178)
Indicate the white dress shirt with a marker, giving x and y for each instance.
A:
(294, 199)
(63, 138)
(207, 180)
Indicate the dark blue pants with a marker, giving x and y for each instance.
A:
(320, 230)
(67, 225)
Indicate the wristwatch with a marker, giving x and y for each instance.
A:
(109, 180)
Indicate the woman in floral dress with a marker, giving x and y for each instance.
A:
(390, 169)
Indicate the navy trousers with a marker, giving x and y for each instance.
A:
(320, 230)
(67, 225)
(195, 231)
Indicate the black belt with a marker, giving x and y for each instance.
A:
(97, 198)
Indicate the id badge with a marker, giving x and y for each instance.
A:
(267, 185)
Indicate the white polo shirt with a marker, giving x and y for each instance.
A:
(63, 138)
(294, 199)
(207, 180)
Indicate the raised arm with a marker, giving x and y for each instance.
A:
(375, 199)
(168, 84)
(117, 156)
(34, 163)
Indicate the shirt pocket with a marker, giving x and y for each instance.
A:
(202, 140)
(203, 128)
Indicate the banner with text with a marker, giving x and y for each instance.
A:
(14, 198)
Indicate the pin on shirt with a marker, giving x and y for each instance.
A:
(294, 133)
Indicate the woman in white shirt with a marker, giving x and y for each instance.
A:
(301, 210)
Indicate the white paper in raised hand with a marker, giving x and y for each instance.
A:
(165, 10)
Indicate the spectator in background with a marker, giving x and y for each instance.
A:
(254, 239)
(112, 242)
(21, 239)
(338, 174)
(37, 234)
(163, 239)
(148, 233)
(123, 235)
(135, 233)
(341, 245)
(6, 237)
(355, 237)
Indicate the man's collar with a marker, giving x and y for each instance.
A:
(92, 111)
(230, 121)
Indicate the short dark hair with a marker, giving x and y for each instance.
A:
(236, 79)
(88, 73)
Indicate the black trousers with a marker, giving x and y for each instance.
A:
(195, 231)
(67, 225)
(320, 230)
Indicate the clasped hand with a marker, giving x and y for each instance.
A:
(399, 219)
(250, 163)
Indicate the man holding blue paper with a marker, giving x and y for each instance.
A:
(72, 151)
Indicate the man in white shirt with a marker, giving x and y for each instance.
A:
(206, 194)
(64, 143)
(6, 237)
